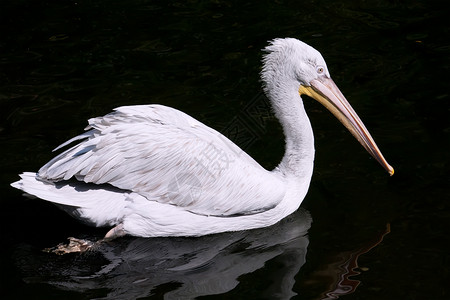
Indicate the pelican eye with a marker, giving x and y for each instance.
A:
(320, 70)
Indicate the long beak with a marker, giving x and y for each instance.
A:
(328, 94)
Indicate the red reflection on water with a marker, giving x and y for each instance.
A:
(344, 285)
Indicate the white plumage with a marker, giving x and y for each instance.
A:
(151, 170)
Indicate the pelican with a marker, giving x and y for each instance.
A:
(154, 171)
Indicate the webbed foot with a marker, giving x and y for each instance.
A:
(74, 245)
(79, 245)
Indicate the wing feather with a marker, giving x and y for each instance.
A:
(168, 157)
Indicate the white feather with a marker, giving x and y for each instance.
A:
(137, 151)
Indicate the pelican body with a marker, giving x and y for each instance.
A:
(151, 170)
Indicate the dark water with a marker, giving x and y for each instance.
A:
(372, 236)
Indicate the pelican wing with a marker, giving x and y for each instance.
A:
(168, 157)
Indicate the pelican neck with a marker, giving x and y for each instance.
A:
(298, 158)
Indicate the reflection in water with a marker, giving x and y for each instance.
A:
(336, 277)
(178, 268)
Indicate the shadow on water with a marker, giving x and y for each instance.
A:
(178, 268)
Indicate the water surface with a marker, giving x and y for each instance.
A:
(372, 236)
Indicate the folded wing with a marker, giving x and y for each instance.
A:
(168, 157)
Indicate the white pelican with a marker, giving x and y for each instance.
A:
(151, 170)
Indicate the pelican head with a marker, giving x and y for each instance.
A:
(292, 64)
